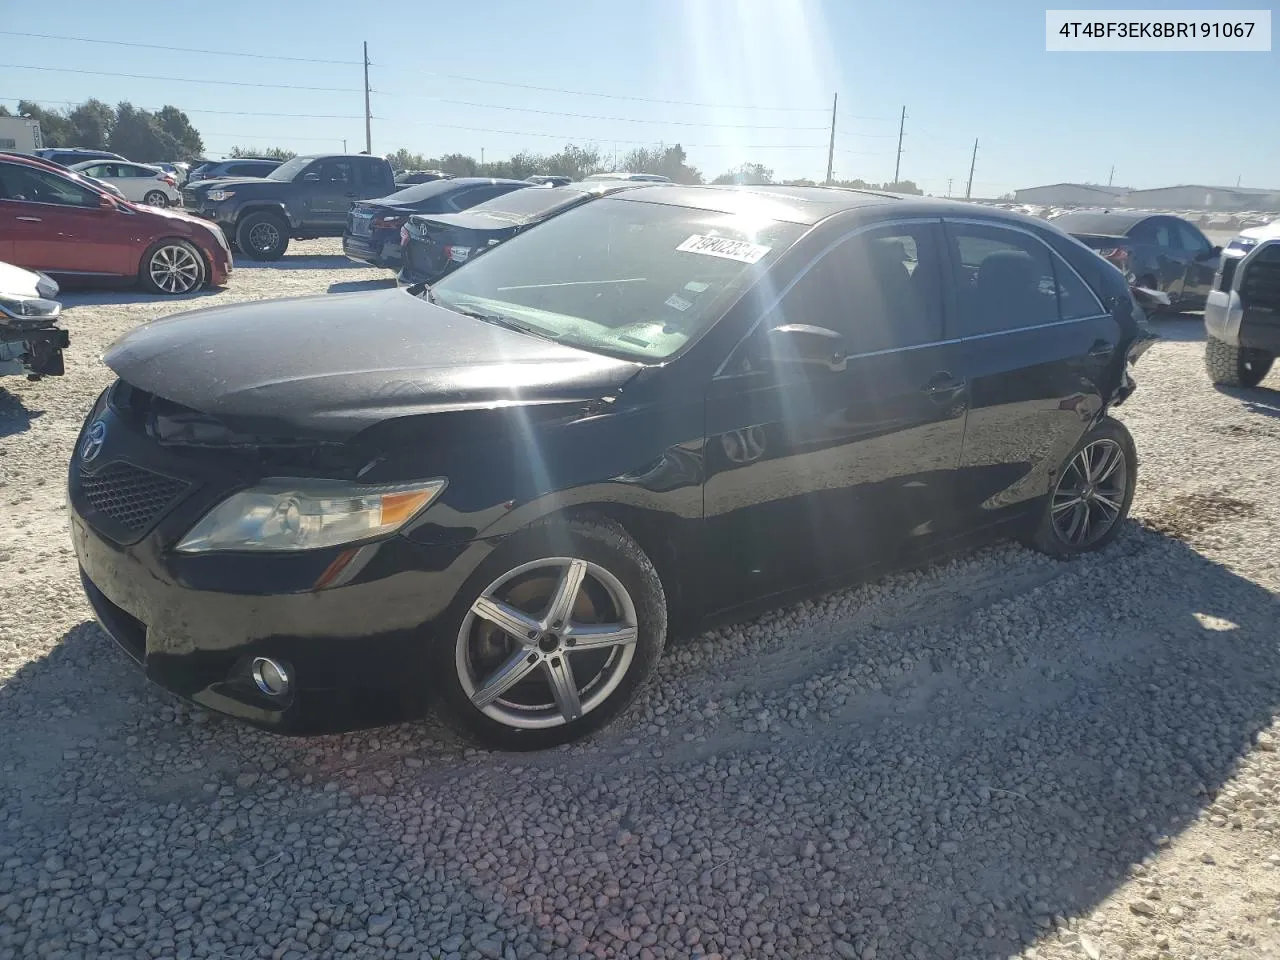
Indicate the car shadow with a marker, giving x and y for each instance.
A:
(1180, 328)
(354, 286)
(1260, 399)
(14, 415)
(301, 261)
(121, 296)
(958, 799)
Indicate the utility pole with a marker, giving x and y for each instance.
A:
(949, 180)
(482, 156)
(968, 190)
(1238, 179)
(897, 166)
(344, 144)
(368, 114)
(831, 149)
(1111, 177)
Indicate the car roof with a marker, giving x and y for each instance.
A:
(1105, 223)
(804, 205)
(414, 192)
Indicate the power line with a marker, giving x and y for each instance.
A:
(592, 116)
(157, 46)
(570, 139)
(225, 83)
(225, 113)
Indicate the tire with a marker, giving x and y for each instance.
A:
(263, 236)
(1106, 501)
(1230, 366)
(172, 268)
(156, 198)
(620, 591)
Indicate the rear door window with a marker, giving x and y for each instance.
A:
(1003, 279)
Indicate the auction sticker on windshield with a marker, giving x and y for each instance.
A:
(725, 248)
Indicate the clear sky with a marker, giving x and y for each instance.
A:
(457, 77)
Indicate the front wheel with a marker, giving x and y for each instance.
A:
(156, 198)
(1092, 494)
(263, 236)
(558, 634)
(172, 267)
(1230, 366)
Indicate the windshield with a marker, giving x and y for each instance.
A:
(632, 279)
(289, 169)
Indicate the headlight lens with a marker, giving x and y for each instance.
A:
(26, 307)
(218, 196)
(307, 514)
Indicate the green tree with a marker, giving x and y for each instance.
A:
(55, 128)
(176, 124)
(272, 153)
(902, 186)
(4, 111)
(139, 136)
(746, 173)
(92, 122)
(402, 159)
(669, 162)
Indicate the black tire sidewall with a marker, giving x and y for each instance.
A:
(144, 269)
(600, 542)
(1046, 537)
(247, 224)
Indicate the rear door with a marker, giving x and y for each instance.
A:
(375, 178)
(1162, 256)
(332, 194)
(813, 471)
(59, 226)
(1037, 342)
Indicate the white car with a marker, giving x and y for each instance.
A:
(31, 341)
(136, 181)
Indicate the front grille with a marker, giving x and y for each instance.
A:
(1260, 283)
(190, 198)
(131, 498)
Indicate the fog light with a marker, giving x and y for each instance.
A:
(270, 677)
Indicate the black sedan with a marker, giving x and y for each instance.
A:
(505, 490)
(373, 227)
(434, 245)
(1155, 251)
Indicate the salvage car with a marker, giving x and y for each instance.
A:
(1242, 317)
(434, 245)
(502, 491)
(59, 222)
(31, 340)
(373, 228)
(1156, 252)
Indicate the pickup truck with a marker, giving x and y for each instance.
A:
(303, 198)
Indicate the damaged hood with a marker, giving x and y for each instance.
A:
(331, 366)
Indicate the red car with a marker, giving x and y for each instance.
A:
(56, 221)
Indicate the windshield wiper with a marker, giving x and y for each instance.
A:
(498, 319)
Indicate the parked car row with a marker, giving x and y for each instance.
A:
(501, 491)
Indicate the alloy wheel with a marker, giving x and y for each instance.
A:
(264, 236)
(546, 643)
(174, 269)
(156, 199)
(1090, 495)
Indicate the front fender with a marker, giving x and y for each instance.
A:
(257, 206)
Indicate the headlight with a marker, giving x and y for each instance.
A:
(307, 514)
(27, 307)
(218, 196)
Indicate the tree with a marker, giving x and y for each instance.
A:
(902, 186)
(272, 153)
(55, 128)
(664, 161)
(92, 122)
(138, 136)
(746, 173)
(176, 124)
(4, 111)
(402, 159)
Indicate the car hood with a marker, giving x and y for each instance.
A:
(331, 366)
(1269, 232)
(17, 282)
(224, 182)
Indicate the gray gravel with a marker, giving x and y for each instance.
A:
(1000, 755)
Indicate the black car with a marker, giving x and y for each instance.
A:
(66, 156)
(373, 226)
(659, 406)
(238, 167)
(434, 245)
(301, 199)
(550, 180)
(407, 178)
(1158, 252)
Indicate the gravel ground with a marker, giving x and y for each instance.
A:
(998, 756)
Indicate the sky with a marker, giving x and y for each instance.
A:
(733, 81)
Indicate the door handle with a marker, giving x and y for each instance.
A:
(1102, 348)
(30, 219)
(942, 386)
(349, 194)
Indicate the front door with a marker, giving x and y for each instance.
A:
(814, 471)
(1201, 266)
(1037, 341)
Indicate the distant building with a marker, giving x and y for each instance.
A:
(1199, 197)
(1071, 195)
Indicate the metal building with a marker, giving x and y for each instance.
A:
(1071, 195)
(1199, 197)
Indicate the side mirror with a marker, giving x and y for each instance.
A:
(311, 178)
(807, 344)
(106, 203)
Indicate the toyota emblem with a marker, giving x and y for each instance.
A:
(92, 445)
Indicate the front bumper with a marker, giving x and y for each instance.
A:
(352, 625)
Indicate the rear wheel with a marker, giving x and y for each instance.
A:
(172, 267)
(560, 631)
(263, 236)
(1230, 366)
(1092, 495)
(156, 198)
